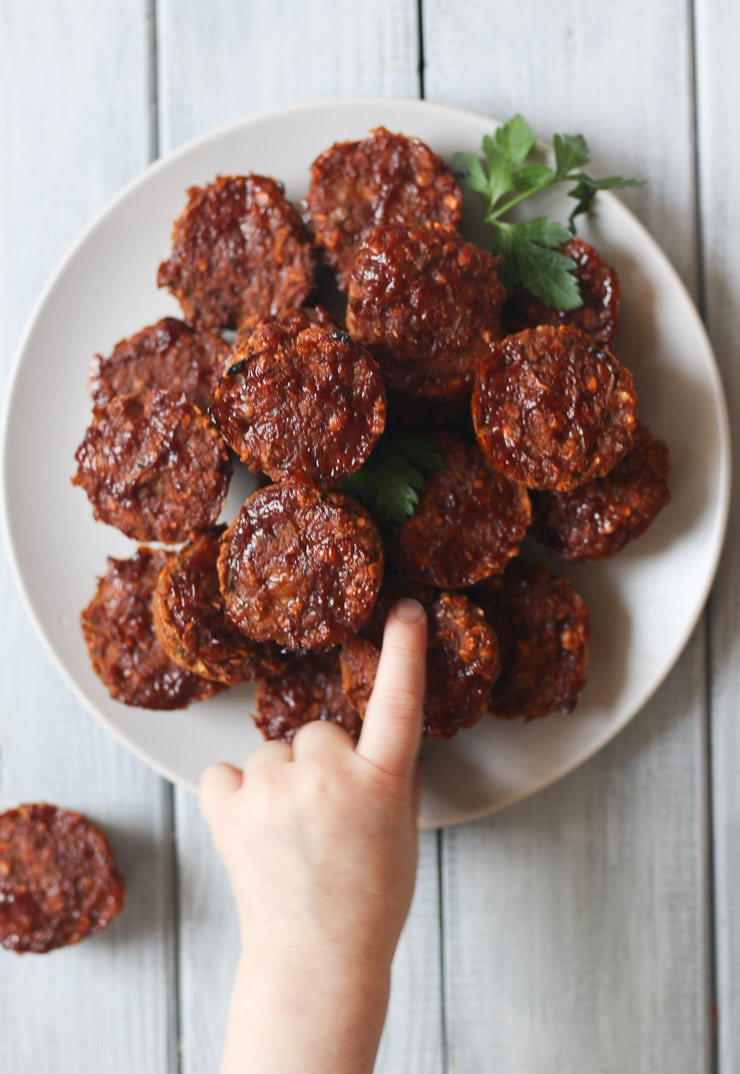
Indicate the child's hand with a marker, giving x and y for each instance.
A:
(320, 842)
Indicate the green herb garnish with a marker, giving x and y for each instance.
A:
(506, 176)
(391, 479)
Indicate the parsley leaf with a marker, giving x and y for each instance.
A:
(392, 478)
(505, 177)
(571, 152)
(515, 140)
(549, 272)
(587, 188)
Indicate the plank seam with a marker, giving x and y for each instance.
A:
(442, 955)
(174, 1050)
(153, 77)
(712, 969)
(422, 56)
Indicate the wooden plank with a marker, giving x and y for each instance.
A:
(73, 129)
(208, 940)
(576, 925)
(718, 82)
(412, 1039)
(216, 65)
(580, 67)
(229, 60)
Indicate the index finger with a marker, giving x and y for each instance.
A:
(391, 729)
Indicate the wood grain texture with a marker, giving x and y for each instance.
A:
(718, 84)
(576, 926)
(227, 60)
(73, 129)
(412, 1039)
(240, 61)
(208, 941)
(577, 66)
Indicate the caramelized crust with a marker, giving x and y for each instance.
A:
(168, 355)
(239, 249)
(382, 179)
(191, 622)
(310, 688)
(428, 306)
(124, 650)
(58, 879)
(543, 628)
(300, 569)
(153, 466)
(553, 409)
(301, 402)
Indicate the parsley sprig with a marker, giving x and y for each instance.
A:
(390, 481)
(506, 176)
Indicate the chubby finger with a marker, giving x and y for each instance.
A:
(217, 784)
(274, 751)
(391, 730)
(319, 738)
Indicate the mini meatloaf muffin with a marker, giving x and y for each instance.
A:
(462, 658)
(310, 688)
(124, 649)
(154, 466)
(298, 318)
(427, 304)
(58, 879)
(553, 409)
(383, 179)
(301, 402)
(191, 621)
(543, 627)
(238, 249)
(169, 355)
(599, 285)
(468, 523)
(597, 519)
(300, 569)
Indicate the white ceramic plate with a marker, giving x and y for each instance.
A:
(644, 603)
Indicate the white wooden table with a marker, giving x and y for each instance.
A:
(594, 927)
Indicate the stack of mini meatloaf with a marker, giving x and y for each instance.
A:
(308, 341)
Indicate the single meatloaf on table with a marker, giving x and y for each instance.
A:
(58, 878)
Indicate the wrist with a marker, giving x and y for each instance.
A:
(306, 1009)
(307, 975)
